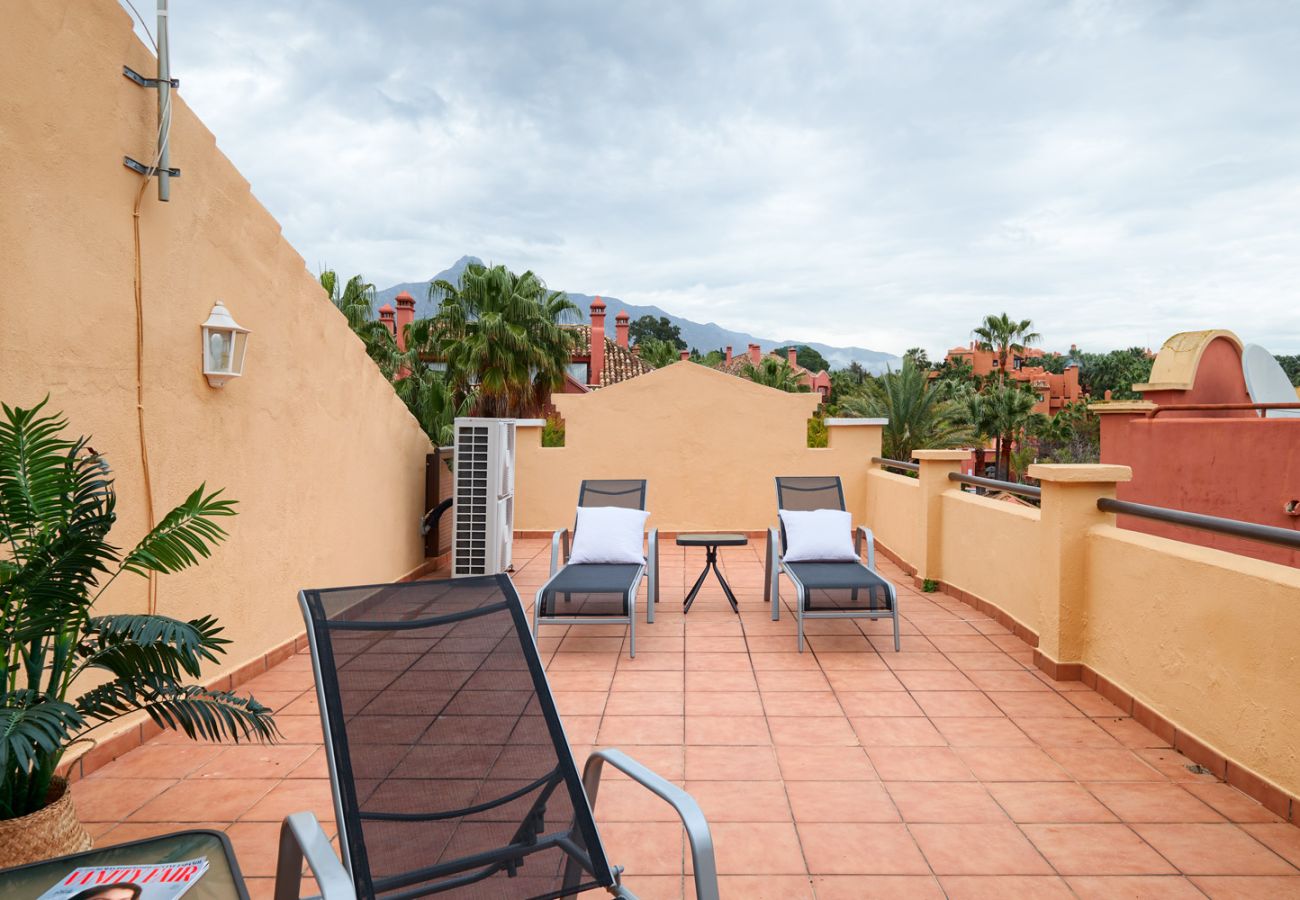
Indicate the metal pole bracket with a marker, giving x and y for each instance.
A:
(149, 171)
(148, 82)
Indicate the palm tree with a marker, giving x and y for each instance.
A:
(977, 413)
(922, 415)
(775, 373)
(502, 337)
(1004, 336)
(356, 300)
(656, 352)
(1011, 410)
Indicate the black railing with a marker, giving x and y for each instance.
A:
(1008, 487)
(1268, 534)
(896, 464)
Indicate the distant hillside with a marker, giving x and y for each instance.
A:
(704, 337)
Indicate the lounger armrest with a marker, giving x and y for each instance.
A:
(863, 533)
(652, 562)
(301, 836)
(559, 549)
(697, 827)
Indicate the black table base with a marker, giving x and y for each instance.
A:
(711, 543)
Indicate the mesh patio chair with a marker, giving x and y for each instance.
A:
(826, 590)
(448, 761)
(580, 594)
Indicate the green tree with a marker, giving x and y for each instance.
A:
(1072, 435)
(1005, 336)
(921, 414)
(775, 373)
(957, 371)
(659, 329)
(977, 413)
(356, 300)
(57, 505)
(657, 353)
(712, 359)
(1011, 412)
(1116, 371)
(918, 356)
(807, 357)
(501, 337)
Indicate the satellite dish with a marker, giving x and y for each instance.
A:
(1266, 382)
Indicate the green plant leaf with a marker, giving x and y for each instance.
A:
(33, 725)
(184, 535)
(137, 645)
(197, 711)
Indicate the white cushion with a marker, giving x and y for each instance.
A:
(818, 535)
(609, 534)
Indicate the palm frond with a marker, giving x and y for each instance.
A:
(132, 646)
(34, 725)
(197, 711)
(184, 535)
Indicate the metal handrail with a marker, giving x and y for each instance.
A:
(1009, 487)
(1214, 407)
(896, 464)
(1268, 534)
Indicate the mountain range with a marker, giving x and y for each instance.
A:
(702, 336)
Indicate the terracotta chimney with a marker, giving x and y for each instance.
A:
(597, 366)
(684, 355)
(386, 317)
(755, 354)
(728, 355)
(405, 316)
(621, 326)
(792, 355)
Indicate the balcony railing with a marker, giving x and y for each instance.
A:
(1269, 534)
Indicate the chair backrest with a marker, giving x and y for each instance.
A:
(627, 493)
(805, 492)
(449, 764)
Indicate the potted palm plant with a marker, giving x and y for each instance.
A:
(68, 670)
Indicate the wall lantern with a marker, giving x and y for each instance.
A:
(224, 343)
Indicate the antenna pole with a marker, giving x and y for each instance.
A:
(164, 105)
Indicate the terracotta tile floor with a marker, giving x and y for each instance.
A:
(950, 769)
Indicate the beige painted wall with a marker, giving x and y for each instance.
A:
(1003, 570)
(893, 512)
(1208, 638)
(708, 443)
(325, 462)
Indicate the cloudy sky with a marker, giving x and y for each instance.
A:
(871, 173)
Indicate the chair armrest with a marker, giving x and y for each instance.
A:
(301, 836)
(697, 827)
(864, 533)
(652, 561)
(559, 549)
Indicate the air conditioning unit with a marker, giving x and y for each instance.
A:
(484, 496)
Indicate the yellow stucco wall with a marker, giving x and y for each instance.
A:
(990, 549)
(1209, 639)
(709, 445)
(325, 462)
(894, 512)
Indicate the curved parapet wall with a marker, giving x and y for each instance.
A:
(1198, 367)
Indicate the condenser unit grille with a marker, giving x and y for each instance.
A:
(471, 504)
(483, 496)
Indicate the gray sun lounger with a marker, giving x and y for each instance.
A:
(449, 765)
(826, 590)
(582, 594)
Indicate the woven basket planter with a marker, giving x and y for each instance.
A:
(53, 830)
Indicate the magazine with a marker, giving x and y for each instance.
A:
(164, 881)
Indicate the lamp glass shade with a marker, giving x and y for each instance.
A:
(225, 342)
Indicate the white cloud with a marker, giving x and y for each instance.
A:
(877, 175)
